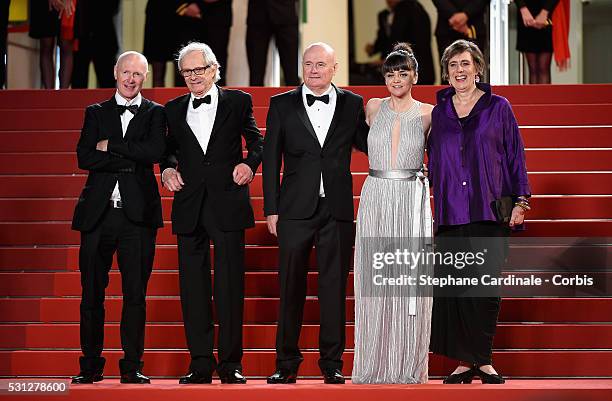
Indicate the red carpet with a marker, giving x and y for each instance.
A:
(567, 131)
(308, 390)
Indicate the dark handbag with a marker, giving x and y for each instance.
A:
(503, 209)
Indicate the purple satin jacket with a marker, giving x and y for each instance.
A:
(472, 165)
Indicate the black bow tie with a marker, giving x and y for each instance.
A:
(197, 102)
(133, 109)
(310, 99)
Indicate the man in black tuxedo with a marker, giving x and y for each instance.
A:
(267, 19)
(205, 169)
(119, 211)
(461, 19)
(312, 130)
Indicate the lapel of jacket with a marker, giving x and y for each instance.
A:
(183, 105)
(223, 110)
(340, 100)
(135, 121)
(111, 116)
(302, 114)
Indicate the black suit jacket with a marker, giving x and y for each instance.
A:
(411, 24)
(129, 160)
(383, 43)
(93, 23)
(210, 174)
(290, 138)
(277, 12)
(215, 13)
(475, 10)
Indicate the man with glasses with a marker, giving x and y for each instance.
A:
(205, 169)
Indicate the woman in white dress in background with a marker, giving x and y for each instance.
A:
(392, 324)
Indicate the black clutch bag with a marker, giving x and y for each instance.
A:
(503, 209)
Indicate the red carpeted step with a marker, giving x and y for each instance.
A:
(517, 94)
(39, 141)
(314, 389)
(567, 137)
(262, 310)
(66, 163)
(558, 137)
(544, 115)
(257, 284)
(57, 209)
(46, 186)
(67, 257)
(60, 233)
(263, 284)
(262, 363)
(545, 256)
(172, 336)
(537, 160)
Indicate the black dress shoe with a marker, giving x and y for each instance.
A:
(488, 378)
(195, 377)
(282, 376)
(333, 376)
(232, 377)
(463, 377)
(87, 377)
(135, 377)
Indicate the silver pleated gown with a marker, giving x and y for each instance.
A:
(392, 332)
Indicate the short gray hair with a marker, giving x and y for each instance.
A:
(207, 54)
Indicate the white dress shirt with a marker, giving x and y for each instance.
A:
(126, 117)
(320, 116)
(202, 119)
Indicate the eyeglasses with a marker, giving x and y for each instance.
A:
(196, 71)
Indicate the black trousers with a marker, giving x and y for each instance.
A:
(463, 327)
(4, 14)
(214, 35)
(257, 42)
(103, 58)
(333, 240)
(135, 247)
(195, 289)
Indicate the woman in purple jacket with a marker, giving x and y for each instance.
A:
(477, 169)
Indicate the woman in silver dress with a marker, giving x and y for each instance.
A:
(392, 323)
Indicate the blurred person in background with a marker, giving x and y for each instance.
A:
(97, 42)
(51, 22)
(267, 19)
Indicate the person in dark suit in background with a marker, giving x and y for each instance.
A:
(119, 210)
(205, 169)
(205, 21)
(384, 42)
(267, 19)
(96, 35)
(411, 24)
(461, 19)
(4, 14)
(50, 23)
(160, 42)
(312, 130)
